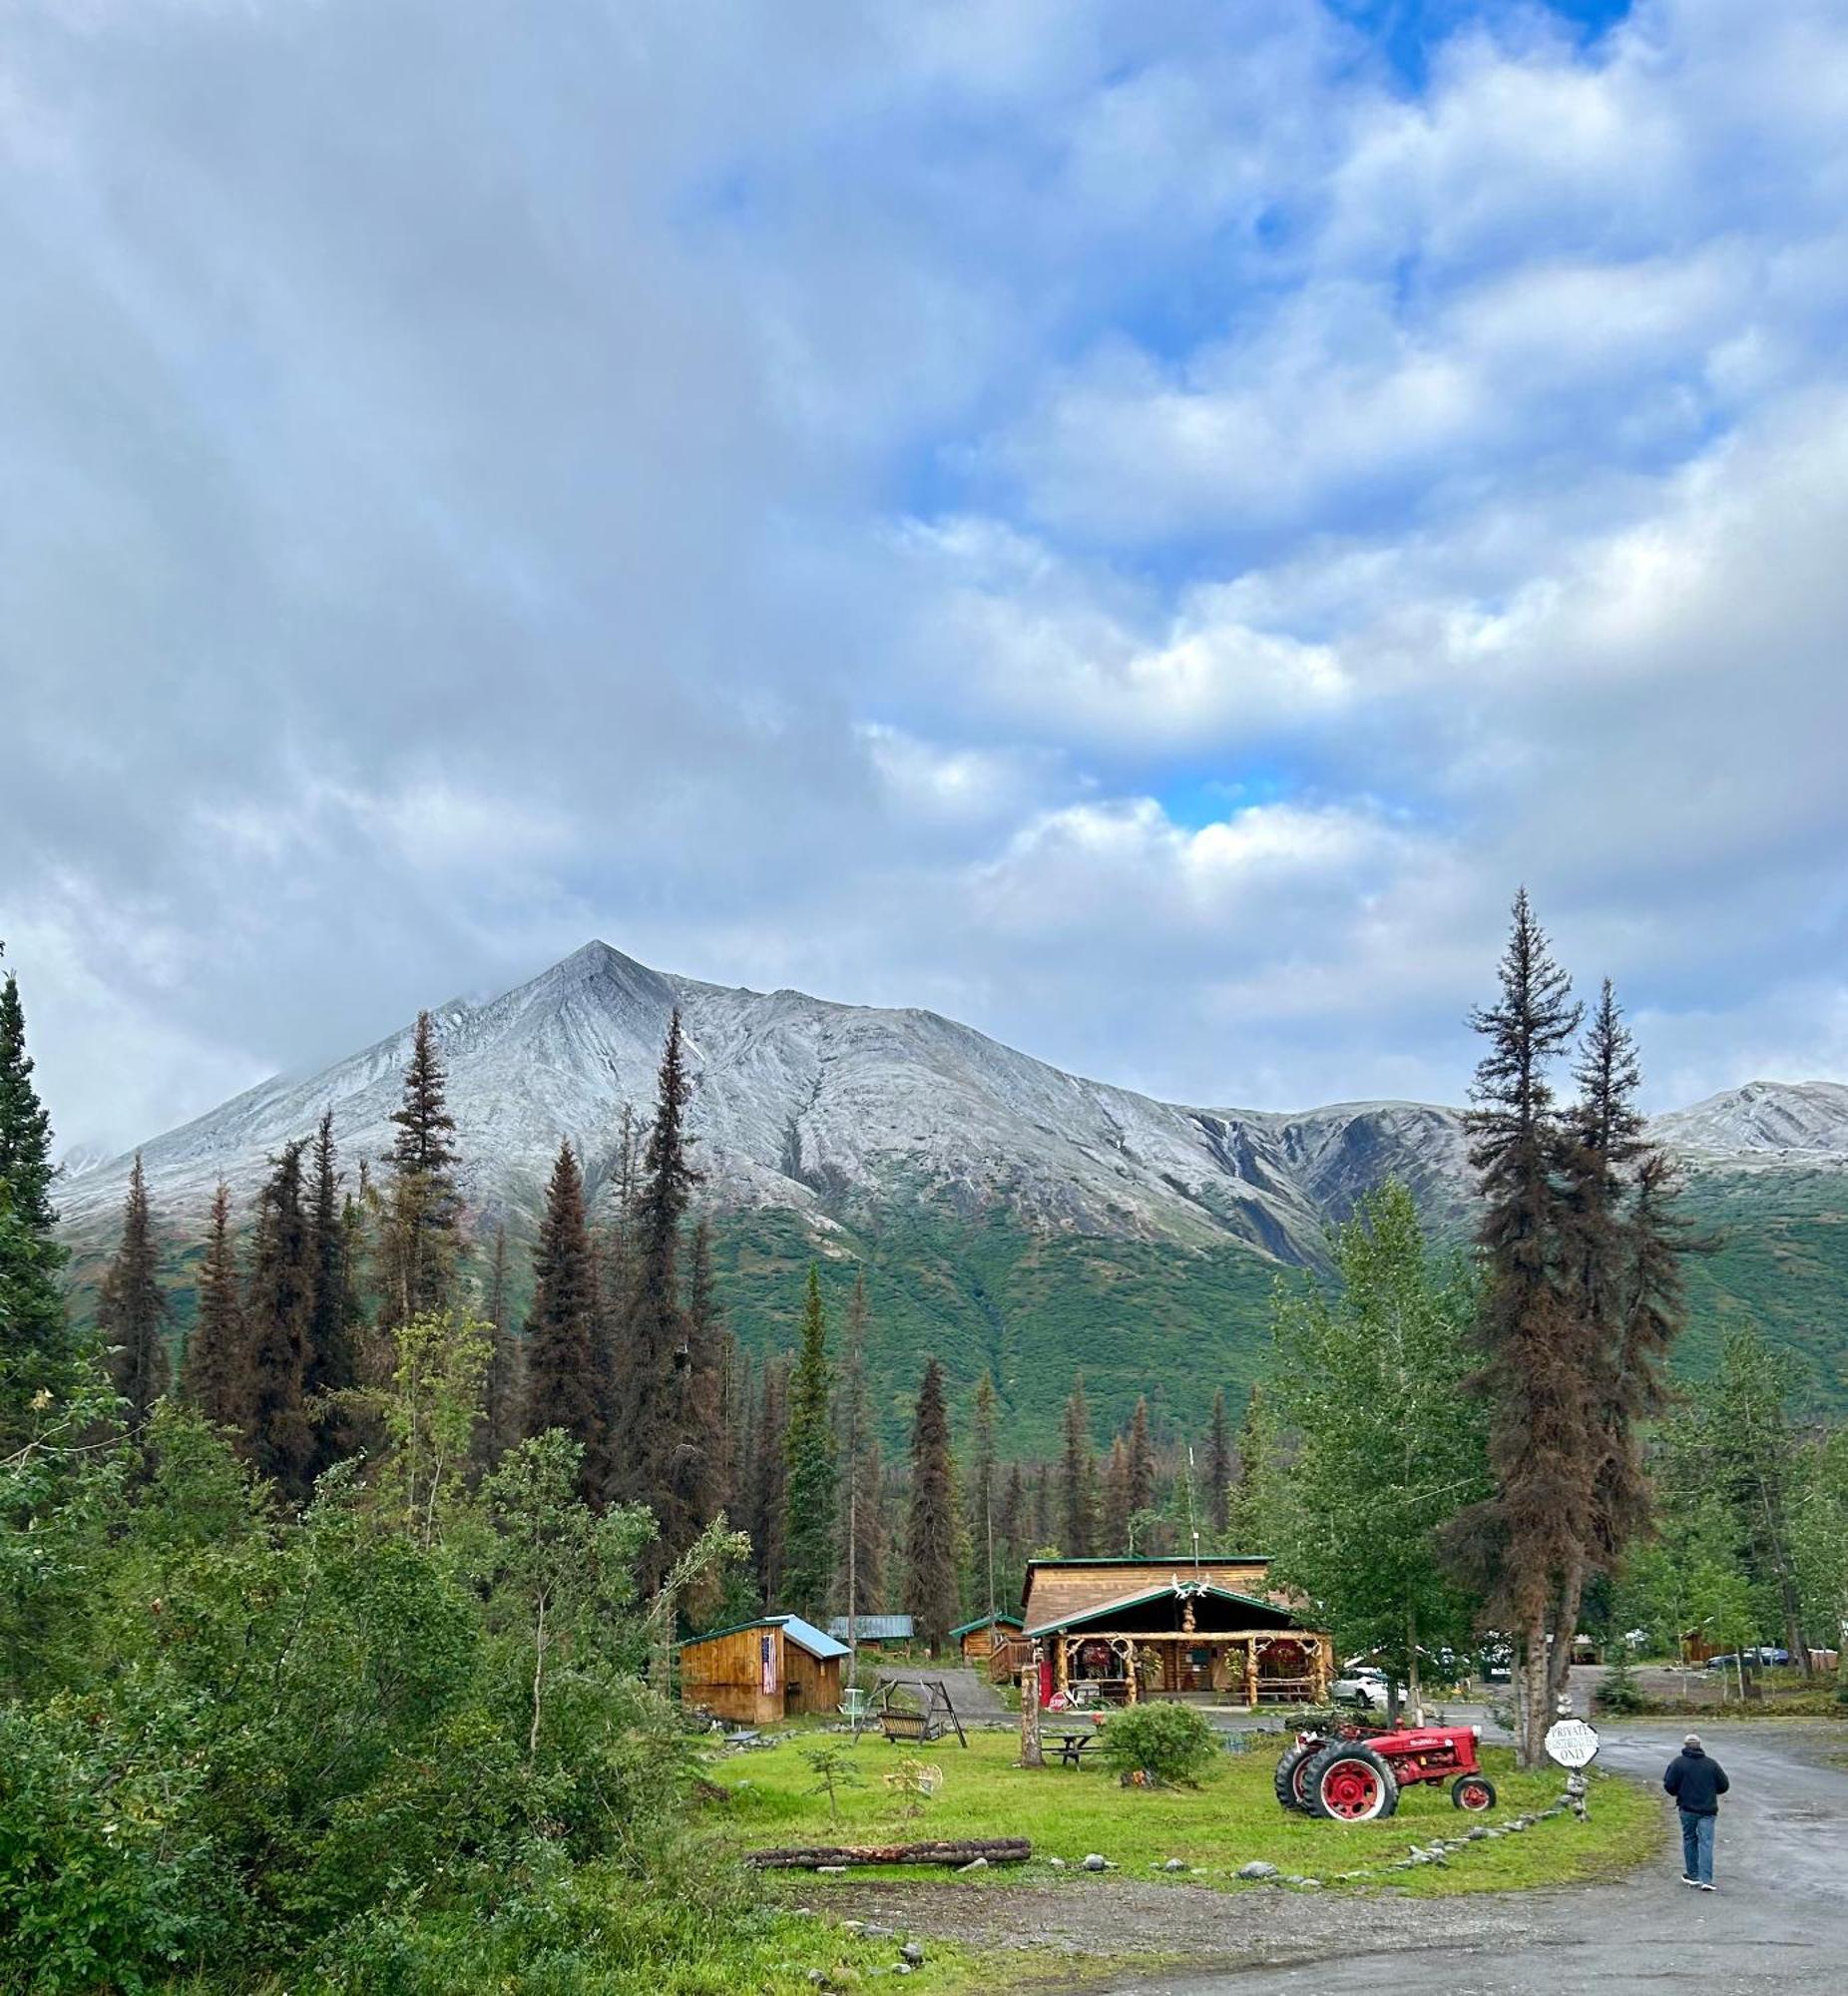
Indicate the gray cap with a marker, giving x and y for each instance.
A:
(1692, 1740)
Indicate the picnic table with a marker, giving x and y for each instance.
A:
(1071, 1746)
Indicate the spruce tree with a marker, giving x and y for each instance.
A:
(503, 1389)
(1539, 1355)
(1625, 1243)
(1245, 1519)
(36, 1352)
(330, 1366)
(1218, 1465)
(560, 1375)
(649, 1436)
(1045, 1507)
(1141, 1449)
(1115, 1509)
(268, 1384)
(859, 1573)
(981, 1499)
(1014, 1542)
(1078, 1480)
(738, 1411)
(215, 1351)
(424, 1204)
(768, 1513)
(930, 1537)
(132, 1310)
(695, 1482)
(808, 1453)
(26, 1165)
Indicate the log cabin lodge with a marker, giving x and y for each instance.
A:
(1210, 1631)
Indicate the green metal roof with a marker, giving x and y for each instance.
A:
(982, 1621)
(1141, 1598)
(1152, 1559)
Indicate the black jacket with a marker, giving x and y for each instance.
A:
(1696, 1781)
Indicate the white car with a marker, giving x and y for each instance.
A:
(1360, 1684)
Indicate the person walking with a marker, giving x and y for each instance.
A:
(1696, 1781)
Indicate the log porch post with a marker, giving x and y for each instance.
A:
(1251, 1673)
(1128, 1663)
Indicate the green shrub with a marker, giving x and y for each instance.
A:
(1174, 1743)
(1620, 1691)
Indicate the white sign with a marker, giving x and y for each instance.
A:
(1571, 1743)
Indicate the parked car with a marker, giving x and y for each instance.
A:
(1360, 1684)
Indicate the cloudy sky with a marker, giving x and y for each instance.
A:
(1131, 522)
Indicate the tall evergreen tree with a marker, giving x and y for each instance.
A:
(696, 1469)
(424, 1205)
(330, 1366)
(1014, 1541)
(503, 1388)
(809, 1451)
(930, 1537)
(215, 1351)
(132, 1311)
(768, 1511)
(36, 1352)
(1045, 1507)
(738, 1411)
(1539, 1355)
(650, 1406)
(268, 1387)
(26, 1165)
(561, 1387)
(1245, 1521)
(1078, 1480)
(1624, 1244)
(1115, 1508)
(1141, 1450)
(1218, 1491)
(982, 1499)
(859, 1577)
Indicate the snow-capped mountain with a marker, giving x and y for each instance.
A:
(833, 1110)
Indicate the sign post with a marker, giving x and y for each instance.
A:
(1573, 1746)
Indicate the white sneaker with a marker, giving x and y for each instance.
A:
(1686, 1880)
(1710, 1888)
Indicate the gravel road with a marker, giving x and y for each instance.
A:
(1779, 1922)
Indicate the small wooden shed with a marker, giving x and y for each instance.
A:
(981, 1637)
(757, 1673)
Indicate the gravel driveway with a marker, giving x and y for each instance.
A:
(1779, 1921)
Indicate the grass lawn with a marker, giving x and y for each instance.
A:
(1232, 1819)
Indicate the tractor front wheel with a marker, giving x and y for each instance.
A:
(1350, 1782)
(1292, 1794)
(1475, 1792)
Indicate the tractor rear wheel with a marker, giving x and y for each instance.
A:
(1291, 1791)
(1349, 1782)
(1475, 1792)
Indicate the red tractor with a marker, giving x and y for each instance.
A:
(1347, 1774)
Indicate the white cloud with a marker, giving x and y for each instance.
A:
(822, 498)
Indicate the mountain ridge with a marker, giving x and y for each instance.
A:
(823, 1108)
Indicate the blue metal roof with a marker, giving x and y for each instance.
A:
(808, 1636)
(875, 1628)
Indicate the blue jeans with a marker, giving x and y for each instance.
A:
(1697, 1846)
